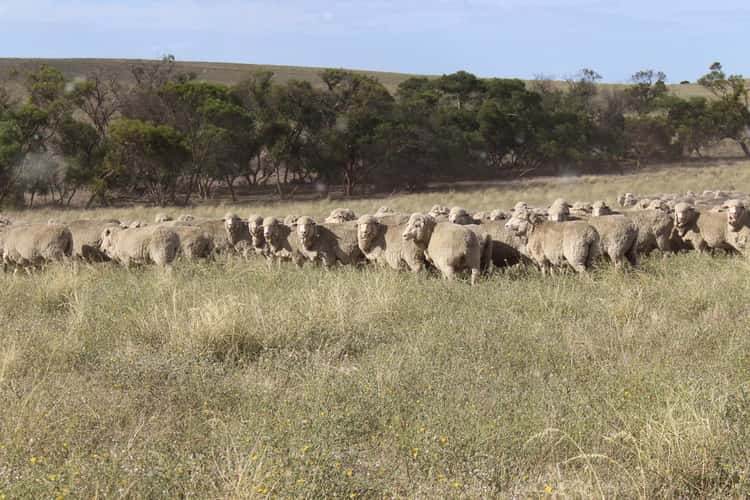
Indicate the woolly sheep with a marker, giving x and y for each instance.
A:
(237, 233)
(162, 218)
(281, 243)
(34, 245)
(87, 238)
(383, 244)
(340, 215)
(497, 214)
(554, 244)
(194, 242)
(701, 231)
(384, 211)
(144, 245)
(617, 235)
(328, 243)
(451, 248)
(558, 211)
(255, 228)
(458, 215)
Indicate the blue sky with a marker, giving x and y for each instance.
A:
(504, 38)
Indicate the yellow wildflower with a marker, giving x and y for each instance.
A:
(548, 489)
(52, 477)
(254, 458)
(32, 460)
(349, 473)
(456, 485)
(443, 439)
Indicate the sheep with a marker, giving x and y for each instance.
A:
(328, 243)
(458, 215)
(281, 244)
(194, 242)
(257, 240)
(382, 243)
(392, 219)
(87, 236)
(439, 213)
(451, 248)
(160, 217)
(144, 245)
(497, 214)
(549, 244)
(186, 218)
(34, 245)
(217, 231)
(340, 215)
(5, 221)
(559, 211)
(702, 231)
(738, 224)
(291, 220)
(237, 233)
(600, 208)
(618, 235)
(627, 200)
(502, 247)
(384, 211)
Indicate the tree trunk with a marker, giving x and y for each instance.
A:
(230, 185)
(745, 148)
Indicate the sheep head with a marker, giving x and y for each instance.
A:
(735, 214)
(368, 228)
(523, 222)
(162, 218)
(307, 230)
(106, 243)
(438, 210)
(233, 224)
(274, 232)
(419, 229)
(255, 227)
(684, 215)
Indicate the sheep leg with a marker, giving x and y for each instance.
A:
(449, 273)
(474, 276)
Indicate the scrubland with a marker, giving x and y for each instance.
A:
(236, 379)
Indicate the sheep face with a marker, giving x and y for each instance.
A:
(307, 231)
(600, 209)
(367, 229)
(683, 215)
(185, 218)
(162, 218)
(273, 232)
(384, 211)
(735, 214)
(107, 244)
(255, 227)
(520, 223)
(419, 229)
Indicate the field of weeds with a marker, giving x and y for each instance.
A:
(235, 379)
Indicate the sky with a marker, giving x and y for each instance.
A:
(491, 38)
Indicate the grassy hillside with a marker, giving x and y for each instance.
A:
(236, 379)
(229, 73)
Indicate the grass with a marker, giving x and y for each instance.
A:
(238, 380)
(230, 73)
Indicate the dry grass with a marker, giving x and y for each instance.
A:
(230, 73)
(236, 380)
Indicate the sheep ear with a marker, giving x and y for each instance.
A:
(107, 232)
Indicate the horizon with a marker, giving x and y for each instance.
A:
(531, 38)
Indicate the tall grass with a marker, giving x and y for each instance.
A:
(238, 380)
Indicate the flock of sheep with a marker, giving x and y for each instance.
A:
(450, 240)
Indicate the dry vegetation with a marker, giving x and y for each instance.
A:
(229, 73)
(235, 379)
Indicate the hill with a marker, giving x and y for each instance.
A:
(230, 73)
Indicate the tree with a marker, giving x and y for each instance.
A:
(154, 156)
(355, 106)
(730, 109)
(647, 91)
(693, 122)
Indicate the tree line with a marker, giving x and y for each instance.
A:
(169, 138)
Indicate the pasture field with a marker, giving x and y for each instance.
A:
(231, 73)
(235, 379)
